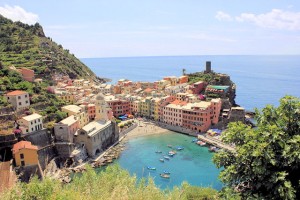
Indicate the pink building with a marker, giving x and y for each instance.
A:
(91, 109)
(172, 113)
(216, 105)
(66, 128)
(164, 101)
(119, 107)
(197, 116)
(198, 87)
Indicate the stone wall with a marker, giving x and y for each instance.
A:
(46, 154)
(64, 149)
(178, 129)
(39, 138)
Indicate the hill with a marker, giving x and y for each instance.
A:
(23, 45)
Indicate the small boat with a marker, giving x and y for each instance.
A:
(158, 151)
(151, 168)
(167, 157)
(171, 154)
(167, 172)
(161, 160)
(165, 175)
(214, 149)
(179, 148)
(170, 146)
(194, 140)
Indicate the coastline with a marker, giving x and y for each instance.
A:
(146, 129)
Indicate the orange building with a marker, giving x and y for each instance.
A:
(183, 79)
(25, 154)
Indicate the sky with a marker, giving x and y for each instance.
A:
(128, 28)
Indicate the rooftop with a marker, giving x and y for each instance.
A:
(69, 120)
(93, 127)
(32, 117)
(23, 145)
(73, 108)
(16, 92)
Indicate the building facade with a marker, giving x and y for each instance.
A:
(19, 99)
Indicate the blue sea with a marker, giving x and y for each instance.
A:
(260, 80)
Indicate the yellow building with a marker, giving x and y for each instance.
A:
(79, 112)
(155, 102)
(67, 97)
(25, 154)
(145, 107)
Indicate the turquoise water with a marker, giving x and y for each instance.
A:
(193, 164)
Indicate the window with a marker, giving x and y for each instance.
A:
(25, 95)
(20, 103)
(60, 127)
(22, 156)
(26, 101)
(22, 163)
(19, 97)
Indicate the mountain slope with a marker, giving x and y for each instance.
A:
(23, 45)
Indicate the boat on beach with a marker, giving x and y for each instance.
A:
(213, 149)
(201, 143)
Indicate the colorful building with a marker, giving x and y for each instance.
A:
(79, 112)
(25, 154)
(66, 128)
(118, 106)
(19, 99)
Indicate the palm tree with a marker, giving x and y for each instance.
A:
(183, 71)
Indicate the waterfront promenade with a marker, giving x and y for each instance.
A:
(215, 142)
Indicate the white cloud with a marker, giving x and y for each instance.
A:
(276, 19)
(222, 16)
(16, 13)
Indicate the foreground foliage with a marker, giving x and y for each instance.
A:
(267, 159)
(113, 183)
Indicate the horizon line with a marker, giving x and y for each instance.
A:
(191, 55)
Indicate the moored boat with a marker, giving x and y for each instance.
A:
(161, 160)
(167, 157)
(151, 168)
(165, 175)
(170, 146)
(214, 149)
(158, 151)
(167, 172)
(179, 148)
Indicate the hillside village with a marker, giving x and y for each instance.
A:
(99, 114)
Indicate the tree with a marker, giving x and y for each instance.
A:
(266, 162)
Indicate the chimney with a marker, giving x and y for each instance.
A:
(208, 67)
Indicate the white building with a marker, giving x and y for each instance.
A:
(31, 123)
(19, 99)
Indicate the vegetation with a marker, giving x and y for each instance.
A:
(266, 162)
(23, 45)
(113, 183)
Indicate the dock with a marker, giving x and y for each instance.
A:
(216, 142)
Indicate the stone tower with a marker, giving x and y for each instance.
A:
(208, 67)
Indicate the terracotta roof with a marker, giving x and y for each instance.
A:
(23, 145)
(16, 92)
(148, 90)
(178, 102)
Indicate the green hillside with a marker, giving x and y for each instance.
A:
(23, 45)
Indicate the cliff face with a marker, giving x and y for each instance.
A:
(23, 45)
